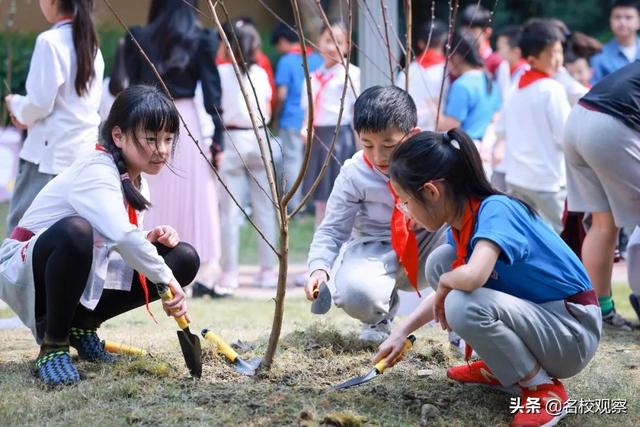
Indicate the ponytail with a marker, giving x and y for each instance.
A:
(85, 41)
(450, 156)
(138, 107)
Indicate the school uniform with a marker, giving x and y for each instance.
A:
(534, 120)
(354, 244)
(62, 126)
(425, 79)
(326, 89)
(92, 189)
(602, 148)
(537, 307)
(242, 168)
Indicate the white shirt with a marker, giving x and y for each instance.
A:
(629, 51)
(61, 125)
(91, 188)
(360, 205)
(234, 108)
(424, 88)
(534, 119)
(574, 89)
(326, 89)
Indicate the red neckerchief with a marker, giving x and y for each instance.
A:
(531, 76)
(515, 67)
(430, 57)
(323, 78)
(298, 50)
(462, 238)
(133, 219)
(403, 239)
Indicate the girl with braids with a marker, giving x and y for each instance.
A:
(69, 265)
(60, 109)
(505, 282)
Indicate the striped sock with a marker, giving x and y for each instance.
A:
(606, 304)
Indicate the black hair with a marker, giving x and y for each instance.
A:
(465, 45)
(384, 107)
(451, 156)
(284, 31)
(624, 3)
(334, 23)
(248, 41)
(85, 41)
(138, 107)
(537, 35)
(438, 33)
(174, 29)
(512, 33)
(475, 15)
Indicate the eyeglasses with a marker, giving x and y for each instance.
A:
(403, 206)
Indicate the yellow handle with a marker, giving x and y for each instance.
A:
(222, 346)
(115, 347)
(182, 321)
(408, 343)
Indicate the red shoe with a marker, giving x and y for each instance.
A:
(476, 372)
(541, 406)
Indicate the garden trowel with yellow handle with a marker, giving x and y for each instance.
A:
(119, 348)
(378, 369)
(189, 343)
(242, 366)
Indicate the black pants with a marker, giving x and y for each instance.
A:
(62, 258)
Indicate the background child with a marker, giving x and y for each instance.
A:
(624, 48)
(69, 265)
(426, 73)
(601, 143)
(534, 124)
(289, 115)
(183, 52)
(327, 84)
(241, 167)
(511, 288)
(475, 21)
(60, 109)
(364, 246)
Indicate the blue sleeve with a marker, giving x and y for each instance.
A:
(498, 223)
(283, 72)
(458, 101)
(596, 65)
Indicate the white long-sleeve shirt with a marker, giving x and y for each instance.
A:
(534, 119)
(424, 88)
(62, 126)
(360, 205)
(91, 188)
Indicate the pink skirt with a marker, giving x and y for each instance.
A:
(183, 194)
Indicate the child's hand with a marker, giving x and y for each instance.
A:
(316, 278)
(164, 234)
(7, 102)
(177, 306)
(17, 124)
(390, 349)
(438, 306)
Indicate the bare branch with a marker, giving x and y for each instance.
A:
(386, 36)
(317, 180)
(164, 86)
(453, 11)
(407, 55)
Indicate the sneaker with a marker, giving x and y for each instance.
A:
(615, 321)
(89, 346)
(376, 333)
(267, 278)
(635, 303)
(227, 284)
(474, 373)
(198, 290)
(541, 406)
(56, 368)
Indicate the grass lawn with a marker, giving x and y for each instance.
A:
(314, 354)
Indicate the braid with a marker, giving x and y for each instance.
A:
(131, 193)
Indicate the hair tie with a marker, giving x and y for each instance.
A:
(124, 177)
(453, 142)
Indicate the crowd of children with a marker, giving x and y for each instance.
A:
(463, 210)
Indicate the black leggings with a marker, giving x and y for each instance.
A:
(62, 258)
